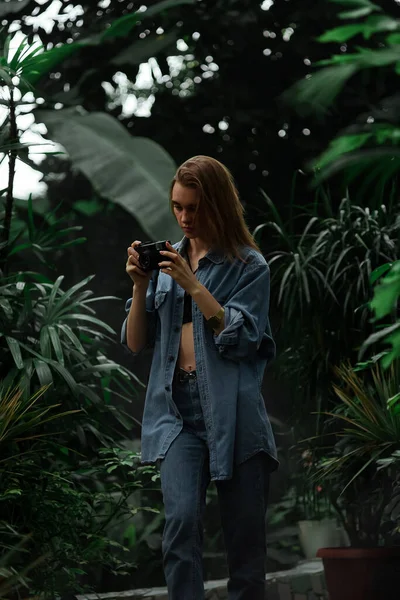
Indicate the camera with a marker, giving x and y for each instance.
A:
(149, 254)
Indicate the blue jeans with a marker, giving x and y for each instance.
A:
(242, 501)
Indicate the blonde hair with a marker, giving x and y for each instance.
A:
(221, 212)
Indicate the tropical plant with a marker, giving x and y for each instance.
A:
(384, 305)
(311, 500)
(70, 513)
(19, 415)
(98, 145)
(321, 285)
(70, 510)
(115, 163)
(393, 464)
(59, 486)
(366, 423)
(369, 147)
(54, 336)
(12, 581)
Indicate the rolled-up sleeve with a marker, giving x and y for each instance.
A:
(247, 329)
(150, 314)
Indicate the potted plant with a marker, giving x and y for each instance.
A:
(367, 426)
(318, 523)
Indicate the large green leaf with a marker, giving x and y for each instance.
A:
(342, 33)
(355, 3)
(132, 172)
(356, 13)
(140, 51)
(372, 25)
(15, 351)
(357, 8)
(14, 6)
(387, 292)
(320, 90)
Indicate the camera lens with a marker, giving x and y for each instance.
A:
(145, 261)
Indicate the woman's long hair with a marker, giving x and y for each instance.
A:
(220, 212)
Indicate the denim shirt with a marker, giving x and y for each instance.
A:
(230, 366)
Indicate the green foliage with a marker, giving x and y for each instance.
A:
(321, 286)
(320, 90)
(11, 580)
(392, 464)
(367, 425)
(69, 512)
(56, 482)
(370, 146)
(51, 335)
(115, 163)
(366, 419)
(385, 304)
(387, 292)
(66, 477)
(47, 329)
(31, 62)
(43, 240)
(19, 416)
(98, 145)
(310, 499)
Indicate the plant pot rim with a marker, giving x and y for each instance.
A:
(350, 552)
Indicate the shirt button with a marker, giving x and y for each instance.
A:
(180, 300)
(171, 358)
(177, 329)
(167, 388)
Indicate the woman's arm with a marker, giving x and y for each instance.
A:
(176, 267)
(247, 331)
(138, 329)
(136, 324)
(206, 302)
(244, 327)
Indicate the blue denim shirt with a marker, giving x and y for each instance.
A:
(230, 366)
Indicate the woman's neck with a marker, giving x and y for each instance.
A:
(197, 247)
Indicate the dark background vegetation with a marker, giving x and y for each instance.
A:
(226, 102)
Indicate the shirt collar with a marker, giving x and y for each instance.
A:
(214, 254)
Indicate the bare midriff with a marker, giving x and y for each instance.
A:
(186, 357)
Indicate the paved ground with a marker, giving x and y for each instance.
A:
(304, 582)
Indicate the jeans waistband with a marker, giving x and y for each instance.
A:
(181, 375)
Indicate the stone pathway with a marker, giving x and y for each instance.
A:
(304, 582)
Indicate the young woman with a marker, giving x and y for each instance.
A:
(205, 313)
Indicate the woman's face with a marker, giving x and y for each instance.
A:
(184, 202)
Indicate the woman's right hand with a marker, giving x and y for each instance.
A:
(138, 276)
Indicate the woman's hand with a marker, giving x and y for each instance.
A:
(176, 266)
(138, 276)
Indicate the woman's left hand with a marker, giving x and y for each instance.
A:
(176, 266)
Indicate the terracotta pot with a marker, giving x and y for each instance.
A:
(362, 573)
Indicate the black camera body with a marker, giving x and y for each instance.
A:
(149, 254)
